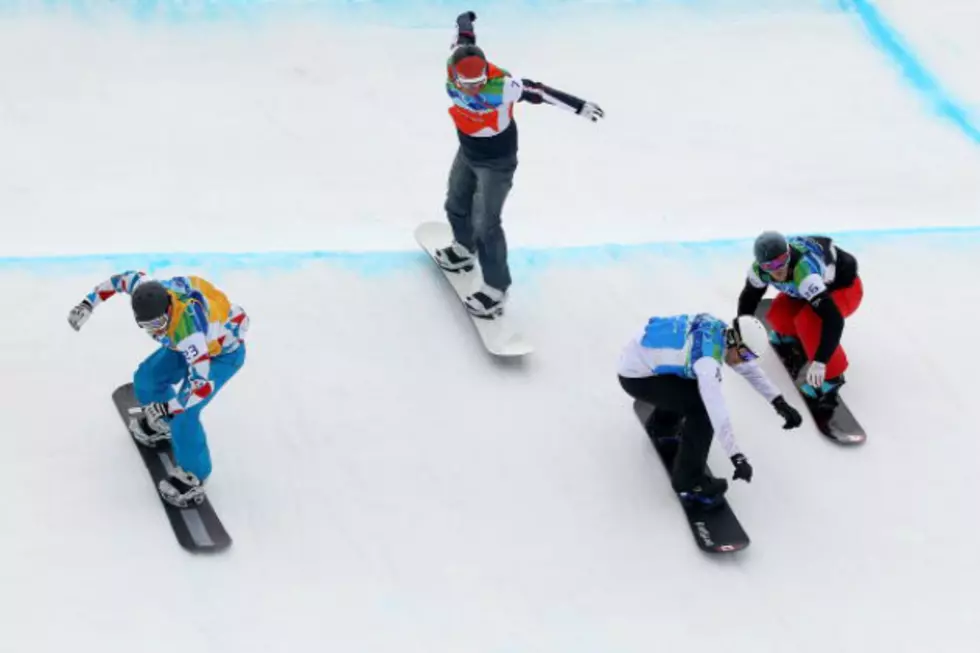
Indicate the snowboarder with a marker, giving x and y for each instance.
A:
(676, 366)
(819, 287)
(482, 172)
(202, 345)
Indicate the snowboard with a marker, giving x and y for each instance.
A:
(499, 335)
(196, 527)
(838, 425)
(715, 529)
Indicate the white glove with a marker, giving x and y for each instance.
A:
(80, 314)
(815, 374)
(591, 111)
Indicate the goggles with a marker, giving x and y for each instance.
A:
(776, 264)
(471, 83)
(733, 342)
(156, 324)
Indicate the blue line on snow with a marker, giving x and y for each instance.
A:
(374, 263)
(890, 41)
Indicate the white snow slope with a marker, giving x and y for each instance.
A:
(391, 488)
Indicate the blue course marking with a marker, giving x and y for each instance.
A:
(888, 39)
(380, 263)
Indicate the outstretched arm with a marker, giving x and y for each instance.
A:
(538, 93)
(752, 372)
(124, 282)
(199, 383)
(465, 34)
(708, 373)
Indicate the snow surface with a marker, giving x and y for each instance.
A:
(390, 488)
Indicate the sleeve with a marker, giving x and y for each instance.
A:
(124, 282)
(752, 372)
(708, 372)
(513, 91)
(831, 326)
(465, 34)
(537, 93)
(752, 293)
(814, 290)
(199, 383)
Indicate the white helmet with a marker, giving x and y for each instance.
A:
(749, 332)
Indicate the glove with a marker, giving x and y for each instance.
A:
(464, 28)
(743, 470)
(80, 314)
(815, 374)
(787, 412)
(156, 413)
(591, 111)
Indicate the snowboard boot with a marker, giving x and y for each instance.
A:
(486, 303)
(148, 433)
(823, 401)
(455, 258)
(707, 493)
(181, 488)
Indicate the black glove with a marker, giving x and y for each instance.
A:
(787, 412)
(743, 470)
(464, 29)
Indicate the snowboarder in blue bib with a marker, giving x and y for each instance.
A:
(675, 364)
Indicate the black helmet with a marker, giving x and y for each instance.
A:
(770, 245)
(150, 301)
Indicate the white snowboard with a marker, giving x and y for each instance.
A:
(499, 335)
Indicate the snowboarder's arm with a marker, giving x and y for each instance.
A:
(752, 293)
(199, 383)
(752, 372)
(831, 326)
(465, 34)
(538, 93)
(124, 282)
(708, 371)
(814, 290)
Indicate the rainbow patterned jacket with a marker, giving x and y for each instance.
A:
(203, 324)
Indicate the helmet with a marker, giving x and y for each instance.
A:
(747, 331)
(769, 246)
(468, 67)
(151, 303)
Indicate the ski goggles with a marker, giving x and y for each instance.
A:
(777, 263)
(733, 342)
(471, 83)
(156, 324)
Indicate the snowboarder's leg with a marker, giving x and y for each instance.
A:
(460, 254)
(153, 382)
(680, 401)
(690, 478)
(782, 315)
(494, 182)
(784, 336)
(809, 325)
(155, 377)
(663, 427)
(849, 299)
(190, 446)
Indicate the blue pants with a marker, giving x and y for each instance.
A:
(154, 381)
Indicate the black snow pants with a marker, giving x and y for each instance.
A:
(677, 401)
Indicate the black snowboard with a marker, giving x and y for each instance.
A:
(838, 424)
(715, 529)
(196, 527)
